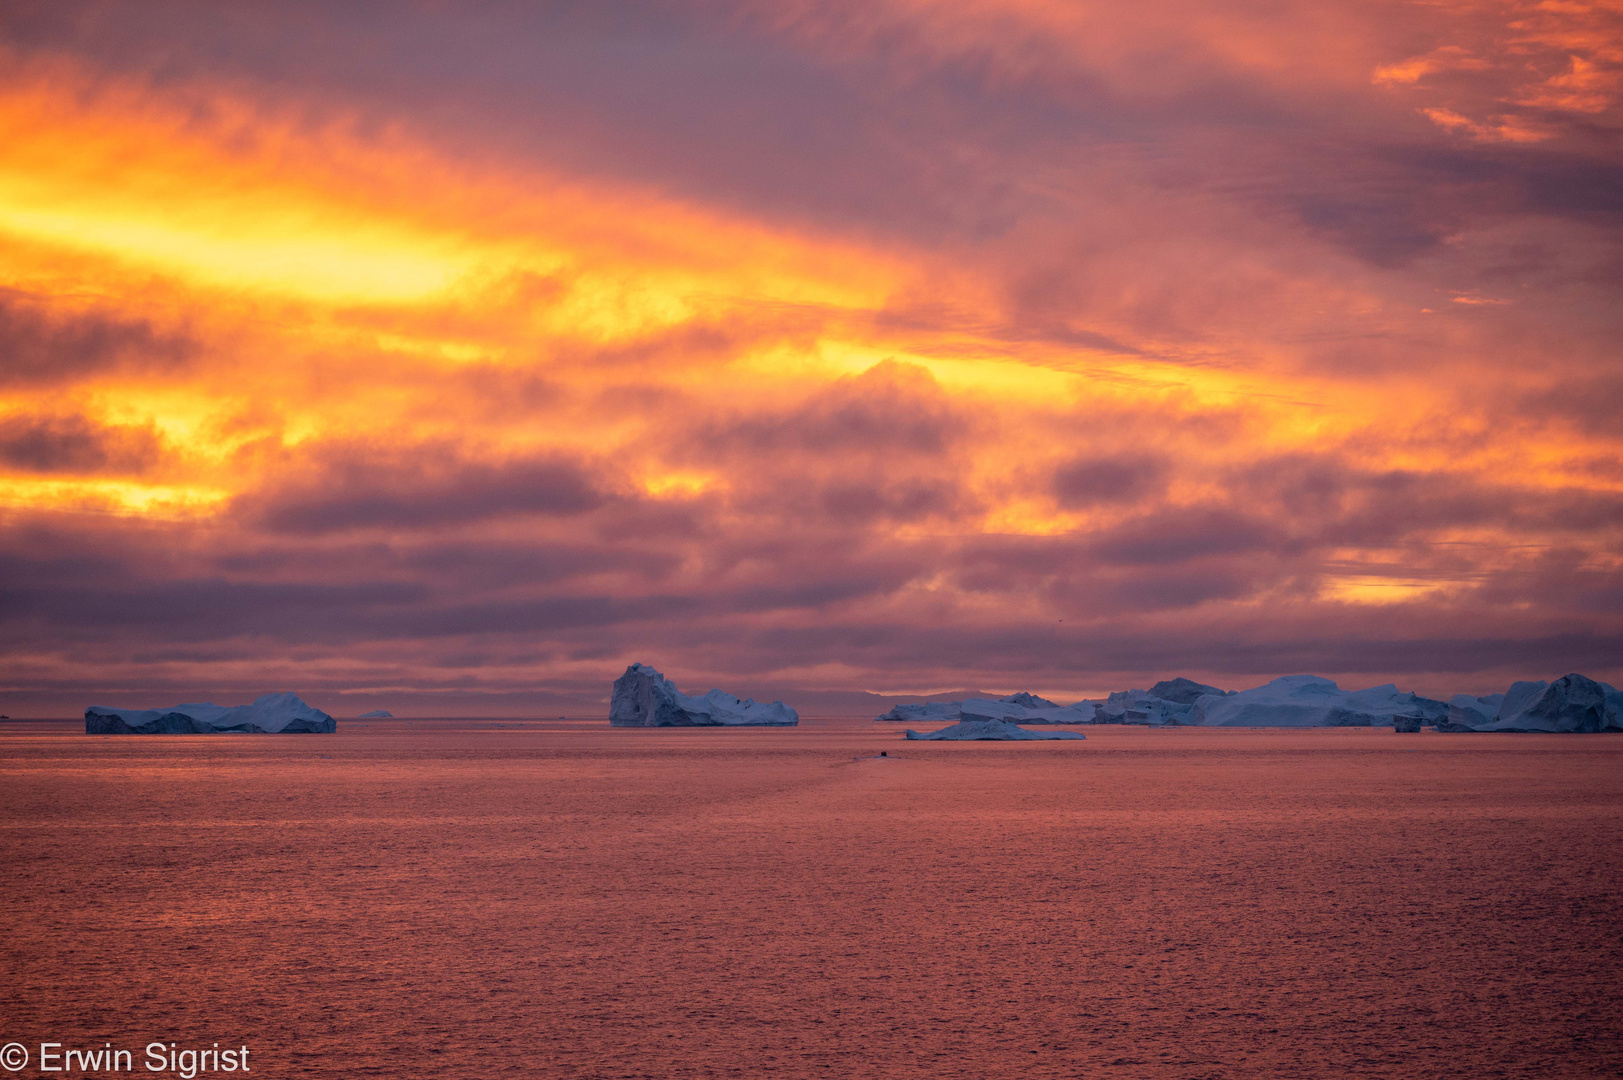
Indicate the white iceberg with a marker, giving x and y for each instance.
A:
(1466, 712)
(989, 729)
(923, 712)
(1029, 700)
(1021, 707)
(1182, 691)
(645, 698)
(1015, 712)
(1311, 701)
(273, 713)
(1167, 702)
(1573, 703)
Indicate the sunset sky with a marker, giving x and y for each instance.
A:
(448, 357)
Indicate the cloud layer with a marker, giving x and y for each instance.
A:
(454, 359)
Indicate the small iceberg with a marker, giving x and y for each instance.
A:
(376, 714)
(272, 714)
(980, 729)
(645, 698)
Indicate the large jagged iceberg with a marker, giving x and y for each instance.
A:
(1311, 701)
(1573, 703)
(1169, 702)
(984, 729)
(645, 698)
(274, 713)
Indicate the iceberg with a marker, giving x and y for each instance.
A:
(1021, 707)
(1573, 703)
(273, 713)
(1030, 701)
(645, 698)
(1311, 701)
(1151, 707)
(1465, 712)
(1182, 691)
(376, 714)
(923, 712)
(1015, 712)
(983, 729)
(1520, 695)
(1167, 702)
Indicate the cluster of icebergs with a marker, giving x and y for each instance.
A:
(1570, 704)
(273, 713)
(645, 698)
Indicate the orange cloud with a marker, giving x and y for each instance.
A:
(295, 372)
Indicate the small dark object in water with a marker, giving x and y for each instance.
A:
(884, 753)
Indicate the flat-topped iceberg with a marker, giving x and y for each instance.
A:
(1167, 702)
(644, 698)
(274, 713)
(1015, 712)
(924, 712)
(376, 714)
(1021, 707)
(1311, 701)
(982, 729)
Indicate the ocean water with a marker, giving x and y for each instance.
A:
(467, 899)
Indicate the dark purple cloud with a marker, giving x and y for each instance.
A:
(41, 346)
(1109, 479)
(370, 488)
(75, 444)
